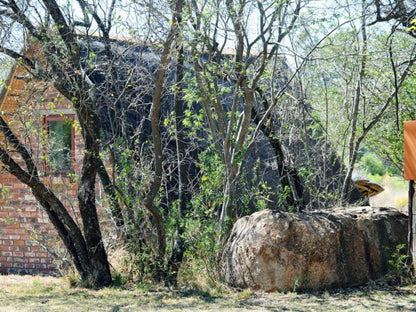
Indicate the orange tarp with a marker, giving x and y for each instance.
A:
(410, 150)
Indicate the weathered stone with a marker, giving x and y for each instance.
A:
(276, 251)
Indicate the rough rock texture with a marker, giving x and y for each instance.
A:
(276, 251)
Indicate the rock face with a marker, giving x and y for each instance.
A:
(276, 251)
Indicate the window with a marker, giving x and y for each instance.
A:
(60, 143)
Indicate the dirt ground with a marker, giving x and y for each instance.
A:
(34, 293)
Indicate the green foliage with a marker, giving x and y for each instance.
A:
(400, 268)
(412, 28)
(133, 166)
(372, 164)
(254, 193)
(4, 191)
(332, 81)
(387, 138)
(201, 228)
(284, 194)
(209, 197)
(200, 268)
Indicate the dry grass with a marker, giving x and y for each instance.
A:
(34, 293)
(395, 194)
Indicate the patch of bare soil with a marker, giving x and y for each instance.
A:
(35, 293)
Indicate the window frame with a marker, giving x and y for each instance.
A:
(60, 117)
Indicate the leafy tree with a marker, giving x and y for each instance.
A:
(359, 87)
(69, 60)
(229, 85)
(387, 138)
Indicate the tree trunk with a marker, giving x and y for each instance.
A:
(86, 196)
(352, 145)
(298, 197)
(86, 251)
(184, 195)
(110, 191)
(227, 209)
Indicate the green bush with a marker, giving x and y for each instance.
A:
(400, 267)
(372, 164)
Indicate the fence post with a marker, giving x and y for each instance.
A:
(412, 224)
(409, 135)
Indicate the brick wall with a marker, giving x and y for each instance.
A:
(27, 239)
(25, 231)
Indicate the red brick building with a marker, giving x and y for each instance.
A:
(45, 122)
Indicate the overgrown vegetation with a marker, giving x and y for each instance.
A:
(209, 111)
(401, 271)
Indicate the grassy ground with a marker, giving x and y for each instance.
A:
(27, 293)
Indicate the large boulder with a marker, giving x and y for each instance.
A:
(277, 251)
